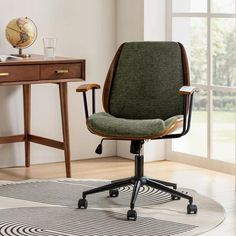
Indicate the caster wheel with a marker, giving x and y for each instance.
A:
(114, 192)
(192, 209)
(131, 215)
(173, 197)
(83, 203)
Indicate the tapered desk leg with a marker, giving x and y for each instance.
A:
(27, 117)
(65, 126)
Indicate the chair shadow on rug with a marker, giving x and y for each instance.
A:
(147, 95)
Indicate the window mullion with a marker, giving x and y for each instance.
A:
(209, 82)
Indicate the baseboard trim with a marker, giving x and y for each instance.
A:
(215, 165)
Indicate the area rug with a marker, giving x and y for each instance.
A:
(49, 208)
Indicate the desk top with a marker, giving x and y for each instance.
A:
(39, 60)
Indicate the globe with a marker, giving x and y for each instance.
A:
(21, 33)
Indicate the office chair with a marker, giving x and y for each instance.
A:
(146, 96)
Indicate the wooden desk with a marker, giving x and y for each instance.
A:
(37, 70)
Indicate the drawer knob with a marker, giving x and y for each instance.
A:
(4, 74)
(62, 71)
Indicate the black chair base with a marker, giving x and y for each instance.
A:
(137, 181)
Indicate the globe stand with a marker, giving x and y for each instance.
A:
(21, 54)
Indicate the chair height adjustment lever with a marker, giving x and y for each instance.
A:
(99, 148)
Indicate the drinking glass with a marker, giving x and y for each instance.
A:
(49, 47)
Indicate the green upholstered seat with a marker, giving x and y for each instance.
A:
(111, 126)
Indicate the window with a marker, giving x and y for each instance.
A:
(207, 30)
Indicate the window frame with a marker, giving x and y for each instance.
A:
(214, 164)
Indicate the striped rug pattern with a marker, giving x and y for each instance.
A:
(49, 208)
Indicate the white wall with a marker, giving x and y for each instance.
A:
(85, 29)
(129, 20)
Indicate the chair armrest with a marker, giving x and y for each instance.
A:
(87, 87)
(188, 90)
(84, 88)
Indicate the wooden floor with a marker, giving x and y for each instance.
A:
(217, 185)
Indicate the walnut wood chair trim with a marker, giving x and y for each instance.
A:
(187, 90)
(87, 87)
(109, 78)
(186, 74)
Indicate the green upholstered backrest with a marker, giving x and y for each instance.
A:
(146, 81)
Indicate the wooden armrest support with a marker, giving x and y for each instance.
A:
(187, 90)
(86, 87)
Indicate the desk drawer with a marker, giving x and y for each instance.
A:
(19, 73)
(61, 71)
